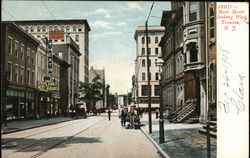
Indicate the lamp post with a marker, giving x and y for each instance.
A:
(159, 63)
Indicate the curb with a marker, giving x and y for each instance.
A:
(18, 130)
(164, 154)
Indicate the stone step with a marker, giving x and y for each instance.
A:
(204, 132)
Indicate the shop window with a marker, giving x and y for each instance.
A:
(192, 11)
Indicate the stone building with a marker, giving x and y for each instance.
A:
(154, 35)
(172, 53)
(18, 66)
(77, 29)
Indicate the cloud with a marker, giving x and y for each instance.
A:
(107, 16)
(101, 11)
(133, 6)
(121, 24)
(98, 35)
(102, 24)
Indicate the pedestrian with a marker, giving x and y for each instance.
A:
(156, 113)
(132, 117)
(122, 117)
(109, 113)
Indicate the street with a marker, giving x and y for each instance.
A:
(94, 137)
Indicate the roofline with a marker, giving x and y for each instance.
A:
(53, 21)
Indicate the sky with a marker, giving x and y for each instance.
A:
(111, 39)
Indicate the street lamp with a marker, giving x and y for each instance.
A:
(159, 63)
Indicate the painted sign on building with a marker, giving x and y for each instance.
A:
(47, 85)
(56, 34)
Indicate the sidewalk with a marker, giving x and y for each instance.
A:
(20, 125)
(181, 140)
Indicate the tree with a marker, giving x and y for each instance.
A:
(92, 92)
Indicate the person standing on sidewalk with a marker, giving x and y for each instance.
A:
(109, 114)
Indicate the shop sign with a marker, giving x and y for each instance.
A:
(47, 85)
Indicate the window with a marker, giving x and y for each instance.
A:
(192, 11)
(149, 51)
(27, 28)
(22, 52)
(28, 76)
(21, 74)
(156, 51)
(60, 54)
(33, 78)
(149, 40)
(31, 29)
(44, 28)
(10, 45)
(157, 90)
(10, 71)
(143, 76)
(16, 74)
(144, 90)
(55, 27)
(74, 28)
(211, 21)
(50, 27)
(79, 28)
(28, 56)
(143, 63)
(156, 76)
(193, 54)
(143, 51)
(149, 76)
(62, 27)
(149, 62)
(77, 38)
(16, 49)
(156, 40)
(143, 40)
(38, 28)
(67, 28)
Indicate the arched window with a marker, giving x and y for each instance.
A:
(74, 28)
(67, 28)
(55, 27)
(44, 28)
(27, 28)
(50, 27)
(31, 29)
(38, 28)
(62, 27)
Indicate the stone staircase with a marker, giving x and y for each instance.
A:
(212, 129)
(184, 112)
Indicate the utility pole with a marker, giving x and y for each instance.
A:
(148, 76)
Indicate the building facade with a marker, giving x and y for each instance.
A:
(18, 65)
(66, 55)
(154, 36)
(77, 29)
(173, 56)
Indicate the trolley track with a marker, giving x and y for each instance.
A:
(48, 143)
